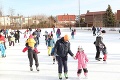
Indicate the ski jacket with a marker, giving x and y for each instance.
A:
(62, 48)
(82, 59)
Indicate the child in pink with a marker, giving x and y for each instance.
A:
(82, 62)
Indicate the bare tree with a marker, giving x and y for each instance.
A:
(1, 11)
(11, 11)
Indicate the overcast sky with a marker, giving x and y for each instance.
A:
(56, 7)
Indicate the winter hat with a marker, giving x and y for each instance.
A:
(103, 31)
(34, 33)
(79, 47)
(31, 36)
(66, 38)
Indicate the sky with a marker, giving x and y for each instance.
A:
(56, 7)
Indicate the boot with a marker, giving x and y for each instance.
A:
(105, 57)
(31, 69)
(66, 75)
(60, 75)
(37, 69)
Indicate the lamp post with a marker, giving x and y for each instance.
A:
(79, 12)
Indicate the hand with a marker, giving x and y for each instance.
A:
(74, 57)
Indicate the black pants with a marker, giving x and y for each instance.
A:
(32, 55)
(62, 62)
(12, 43)
(94, 33)
(98, 52)
(16, 40)
(80, 70)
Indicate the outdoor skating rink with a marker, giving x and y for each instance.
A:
(16, 65)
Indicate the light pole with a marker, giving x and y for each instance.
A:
(79, 12)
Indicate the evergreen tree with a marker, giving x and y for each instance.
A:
(109, 18)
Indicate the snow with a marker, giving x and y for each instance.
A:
(16, 65)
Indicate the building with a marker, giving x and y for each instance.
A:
(94, 18)
(117, 17)
(4, 21)
(66, 20)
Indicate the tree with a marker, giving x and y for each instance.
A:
(51, 21)
(1, 11)
(109, 18)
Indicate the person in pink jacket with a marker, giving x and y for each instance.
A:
(82, 62)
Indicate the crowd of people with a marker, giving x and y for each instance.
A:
(59, 49)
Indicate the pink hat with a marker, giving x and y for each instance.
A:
(31, 36)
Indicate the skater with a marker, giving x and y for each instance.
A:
(97, 43)
(82, 62)
(46, 37)
(50, 43)
(2, 45)
(38, 35)
(94, 30)
(62, 48)
(31, 53)
(104, 51)
(72, 34)
(58, 33)
(12, 40)
(27, 45)
(17, 37)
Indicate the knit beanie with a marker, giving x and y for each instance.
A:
(66, 38)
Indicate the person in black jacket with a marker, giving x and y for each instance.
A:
(98, 42)
(17, 37)
(94, 30)
(62, 48)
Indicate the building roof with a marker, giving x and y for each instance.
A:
(95, 13)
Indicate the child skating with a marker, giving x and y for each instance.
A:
(82, 62)
(104, 51)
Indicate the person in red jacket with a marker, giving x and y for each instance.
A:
(2, 41)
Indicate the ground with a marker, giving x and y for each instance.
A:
(16, 65)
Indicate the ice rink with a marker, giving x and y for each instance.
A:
(16, 65)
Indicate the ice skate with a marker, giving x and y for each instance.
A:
(31, 69)
(66, 76)
(37, 69)
(60, 76)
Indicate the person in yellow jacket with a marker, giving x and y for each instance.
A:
(31, 42)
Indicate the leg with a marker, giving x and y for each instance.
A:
(97, 53)
(60, 64)
(53, 59)
(85, 71)
(64, 59)
(30, 56)
(4, 45)
(15, 40)
(60, 67)
(49, 50)
(105, 54)
(79, 72)
(18, 40)
(9, 43)
(36, 60)
(13, 43)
